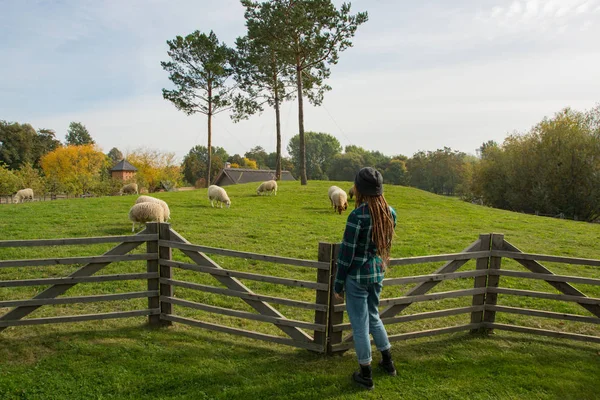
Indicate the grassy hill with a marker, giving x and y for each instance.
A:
(123, 359)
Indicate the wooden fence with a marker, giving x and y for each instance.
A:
(324, 333)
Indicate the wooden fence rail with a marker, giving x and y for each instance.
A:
(323, 333)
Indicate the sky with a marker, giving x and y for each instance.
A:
(421, 75)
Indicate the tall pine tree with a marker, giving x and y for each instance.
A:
(199, 69)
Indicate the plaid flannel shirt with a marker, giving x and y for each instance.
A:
(358, 257)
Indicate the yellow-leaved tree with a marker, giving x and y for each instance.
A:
(156, 169)
(250, 164)
(73, 169)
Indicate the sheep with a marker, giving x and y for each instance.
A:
(150, 199)
(267, 186)
(330, 192)
(22, 195)
(351, 192)
(338, 198)
(218, 194)
(146, 212)
(130, 188)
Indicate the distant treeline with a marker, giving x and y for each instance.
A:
(553, 169)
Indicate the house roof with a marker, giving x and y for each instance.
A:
(123, 165)
(229, 176)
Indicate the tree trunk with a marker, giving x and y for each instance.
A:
(278, 130)
(302, 171)
(209, 159)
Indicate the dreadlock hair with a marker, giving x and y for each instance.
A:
(382, 221)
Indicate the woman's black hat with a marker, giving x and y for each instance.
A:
(369, 182)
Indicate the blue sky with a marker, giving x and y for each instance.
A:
(421, 75)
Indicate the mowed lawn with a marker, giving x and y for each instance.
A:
(125, 359)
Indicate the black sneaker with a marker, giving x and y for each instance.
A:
(367, 383)
(388, 367)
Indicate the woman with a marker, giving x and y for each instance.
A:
(361, 263)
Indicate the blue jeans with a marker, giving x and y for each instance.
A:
(362, 302)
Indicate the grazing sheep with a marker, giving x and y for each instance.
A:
(22, 195)
(218, 194)
(130, 188)
(338, 198)
(150, 199)
(330, 192)
(146, 212)
(267, 186)
(351, 192)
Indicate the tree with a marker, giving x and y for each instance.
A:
(21, 144)
(74, 169)
(309, 35)
(155, 169)
(286, 163)
(486, 147)
(260, 70)
(236, 159)
(259, 155)
(199, 70)
(115, 156)
(321, 149)
(370, 158)
(194, 164)
(396, 173)
(552, 169)
(441, 171)
(250, 164)
(78, 135)
(344, 167)
(30, 177)
(9, 182)
(45, 142)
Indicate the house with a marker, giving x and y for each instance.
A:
(123, 171)
(231, 176)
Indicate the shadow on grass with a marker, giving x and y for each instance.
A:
(140, 362)
(183, 362)
(319, 210)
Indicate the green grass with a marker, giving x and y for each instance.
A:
(124, 359)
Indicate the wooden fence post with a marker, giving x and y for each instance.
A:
(152, 267)
(323, 276)
(335, 317)
(480, 281)
(491, 299)
(164, 253)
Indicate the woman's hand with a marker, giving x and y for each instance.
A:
(338, 296)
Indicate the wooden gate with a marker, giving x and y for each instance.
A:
(295, 330)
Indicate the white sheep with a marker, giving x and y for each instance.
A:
(22, 195)
(146, 212)
(267, 186)
(130, 188)
(338, 198)
(150, 199)
(218, 194)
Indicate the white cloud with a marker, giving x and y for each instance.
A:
(514, 9)
(582, 8)
(531, 9)
(396, 112)
(421, 75)
(562, 11)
